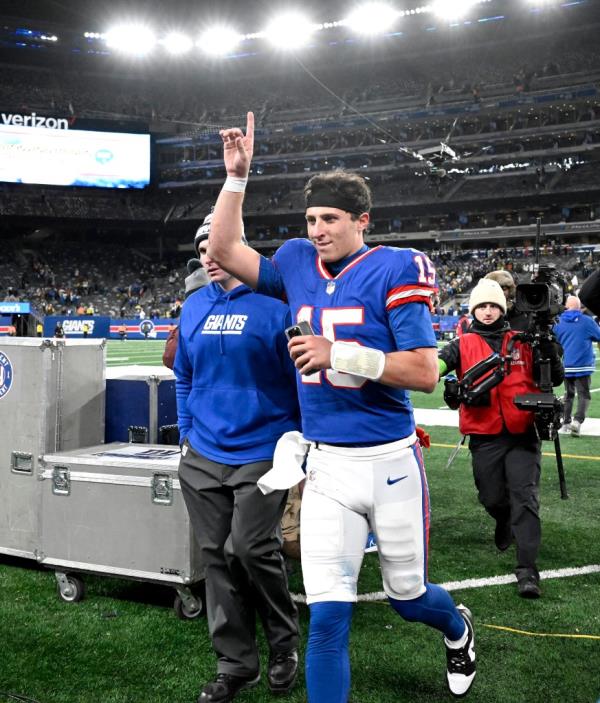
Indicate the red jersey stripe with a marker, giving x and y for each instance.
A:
(411, 299)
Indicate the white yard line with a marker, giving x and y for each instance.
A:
(133, 355)
(480, 583)
(429, 417)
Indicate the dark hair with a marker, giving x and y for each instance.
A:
(343, 187)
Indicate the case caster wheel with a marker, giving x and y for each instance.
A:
(187, 605)
(71, 588)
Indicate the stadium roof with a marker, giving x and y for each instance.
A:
(91, 15)
(51, 30)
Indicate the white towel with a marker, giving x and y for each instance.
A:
(290, 452)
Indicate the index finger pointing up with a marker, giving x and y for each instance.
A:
(250, 126)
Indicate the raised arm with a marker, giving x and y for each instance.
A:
(224, 244)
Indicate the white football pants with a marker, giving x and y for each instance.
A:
(349, 490)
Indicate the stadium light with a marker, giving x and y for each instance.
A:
(176, 43)
(219, 41)
(133, 39)
(372, 18)
(290, 31)
(452, 9)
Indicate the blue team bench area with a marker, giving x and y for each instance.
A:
(134, 328)
(108, 327)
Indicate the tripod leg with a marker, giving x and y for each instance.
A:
(560, 468)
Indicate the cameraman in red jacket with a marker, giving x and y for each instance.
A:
(504, 445)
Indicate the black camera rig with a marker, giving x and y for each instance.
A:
(476, 382)
(543, 300)
(473, 390)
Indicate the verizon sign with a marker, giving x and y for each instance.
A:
(33, 120)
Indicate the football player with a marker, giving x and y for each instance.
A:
(373, 341)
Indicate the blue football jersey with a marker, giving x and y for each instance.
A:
(356, 306)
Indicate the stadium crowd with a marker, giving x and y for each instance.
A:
(120, 281)
(93, 280)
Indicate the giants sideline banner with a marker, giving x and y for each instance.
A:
(4, 323)
(108, 328)
(74, 327)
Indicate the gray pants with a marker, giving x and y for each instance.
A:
(237, 529)
(507, 470)
(580, 386)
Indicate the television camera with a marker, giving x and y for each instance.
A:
(543, 300)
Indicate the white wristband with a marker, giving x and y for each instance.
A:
(357, 360)
(235, 185)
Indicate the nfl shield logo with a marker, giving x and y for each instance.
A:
(330, 287)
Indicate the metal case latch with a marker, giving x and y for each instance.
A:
(162, 489)
(137, 434)
(21, 463)
(61, 481)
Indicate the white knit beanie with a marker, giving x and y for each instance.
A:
(487, 291)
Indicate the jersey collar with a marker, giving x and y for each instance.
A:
(322, 269)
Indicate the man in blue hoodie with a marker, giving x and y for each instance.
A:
(236, 396)
(576, 332)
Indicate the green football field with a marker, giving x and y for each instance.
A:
(143, 352)
(124, 644)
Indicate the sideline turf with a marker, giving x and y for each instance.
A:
(123, 643)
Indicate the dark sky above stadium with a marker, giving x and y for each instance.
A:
(95, 15)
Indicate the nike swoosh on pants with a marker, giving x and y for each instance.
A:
(391, 481)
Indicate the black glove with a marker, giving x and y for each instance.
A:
(452, 392)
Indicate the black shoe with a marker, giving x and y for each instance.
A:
(283, 670)
(503, 535)
(226, 687)
(529, 587)
(460, 663)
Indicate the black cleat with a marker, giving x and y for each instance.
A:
(460, 663)
(283, 670)
(226, 687)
